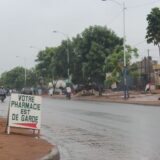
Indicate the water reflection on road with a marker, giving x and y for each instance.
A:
(102, 131)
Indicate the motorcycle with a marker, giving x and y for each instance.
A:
(2, 97)
(68, 95)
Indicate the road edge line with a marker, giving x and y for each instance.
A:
(53, 155)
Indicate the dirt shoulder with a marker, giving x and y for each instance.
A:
(142, 101)
(21, 144)
(151, 99)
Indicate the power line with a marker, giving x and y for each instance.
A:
(133, 7)
(143, 5)
(139, 43)
(115, 17)
(152, 49)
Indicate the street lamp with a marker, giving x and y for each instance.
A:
(34, 47)
(66, 35)
(25, 71)
(126, 95)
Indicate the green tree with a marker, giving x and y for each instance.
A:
(114, 63)
(153, 29)
(91, 54)
(61, 60)
(44, 67)
(15, 78)
(52, 63)
(32, 77)
(92, 46)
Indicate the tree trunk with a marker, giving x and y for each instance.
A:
(54, 86)
(100, 90)
(159, 49)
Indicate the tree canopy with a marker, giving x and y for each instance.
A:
(87, 57)
(92, 53)
(153, 29)
(15, 78)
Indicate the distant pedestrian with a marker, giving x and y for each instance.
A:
(2, 94)
(51, 91)
(10, 92)
(2, 91)
(68, 92)
(148, 87)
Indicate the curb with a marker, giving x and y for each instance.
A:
(53, 155)
(146, 103)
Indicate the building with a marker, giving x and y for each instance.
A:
(156, 69)
(146, 69)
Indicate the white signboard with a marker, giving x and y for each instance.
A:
(25, 111)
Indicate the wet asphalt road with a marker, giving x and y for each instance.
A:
(101, 131)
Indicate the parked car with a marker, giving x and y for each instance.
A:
(26, 91)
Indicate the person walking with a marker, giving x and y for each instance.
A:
(68, 92)
(148, 87)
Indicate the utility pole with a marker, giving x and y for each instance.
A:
(125, 70)
(149, 77)
(126, 94)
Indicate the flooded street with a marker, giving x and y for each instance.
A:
(102, 131)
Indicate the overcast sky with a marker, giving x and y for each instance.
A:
(26, 23)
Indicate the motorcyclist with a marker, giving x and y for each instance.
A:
(68, 92)
(2, 93)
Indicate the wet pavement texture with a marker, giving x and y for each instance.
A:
(86, 130)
